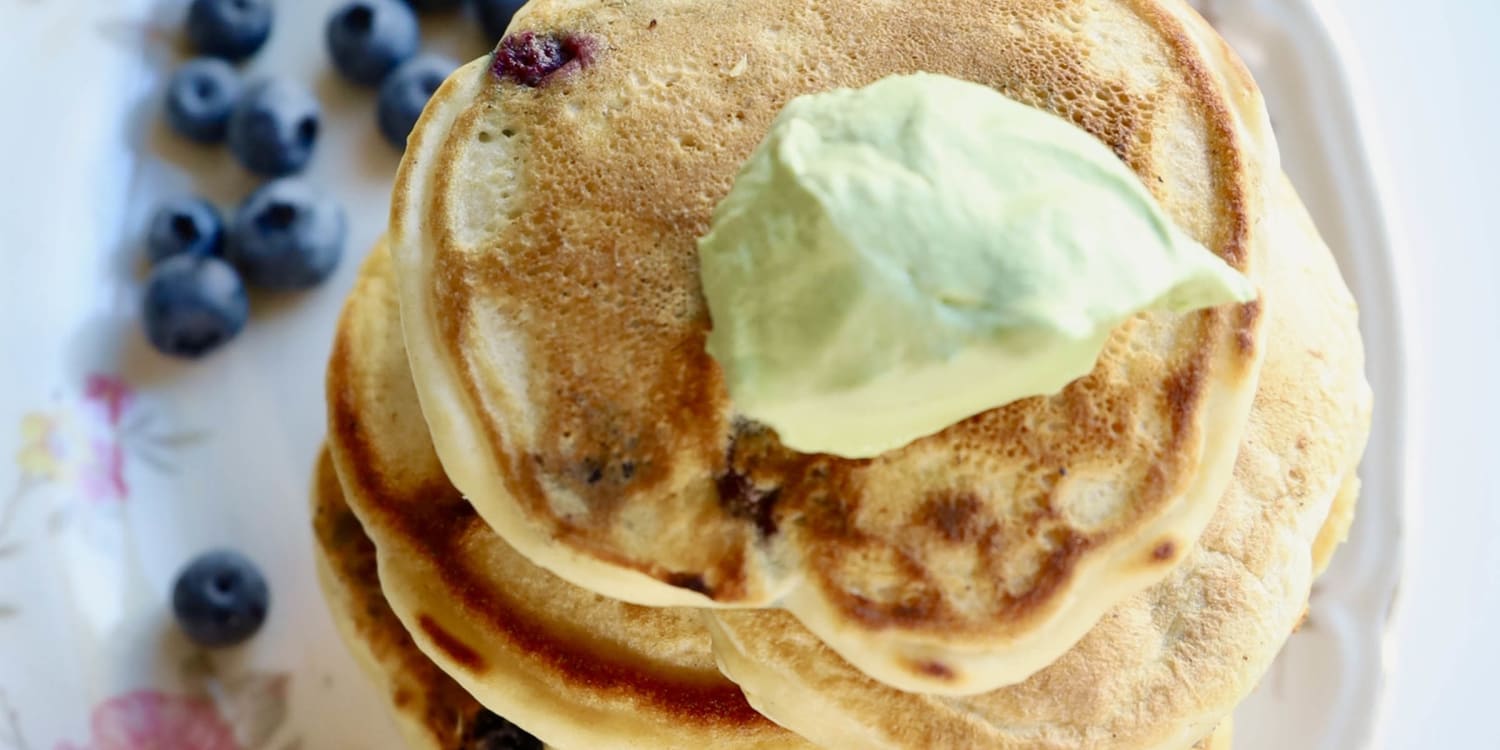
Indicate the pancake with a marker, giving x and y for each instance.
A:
(1167, 664)
(1221, 739)
(1336, 529)
(576, 669)
(545, 242)
(432, 711)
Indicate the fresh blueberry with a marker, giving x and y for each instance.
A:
(495, 15)
(287, 236)
(274, 127)
(194, 304)
(530, 58)
(200, 96)
(231, 29)
(369, 38)
(220, 599)
(405, 92)
(185, 226)
(489, 731)
(429, 6)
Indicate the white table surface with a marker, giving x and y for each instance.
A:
(1428, 75)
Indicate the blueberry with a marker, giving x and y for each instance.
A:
(274, 127)
(369, 38)
(530, 58)
(193, 305)
(495, 15)
(428, 6)
(231, 29)
(287, 236)
(405, 93)
(200, 96)
(220, 599)
(489, 731)
(185, 226)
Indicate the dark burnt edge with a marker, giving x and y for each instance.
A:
(450, 644)
(691, 582)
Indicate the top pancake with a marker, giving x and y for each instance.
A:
(574, 668)
(545, 246)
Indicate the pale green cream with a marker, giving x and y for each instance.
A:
(894, 259)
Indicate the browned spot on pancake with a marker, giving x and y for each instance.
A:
(935, 669)
(1057, 569)
(954, 515)
(691, 582)
(917, 603)
(727, 578)
(915, 610)
(1164, 551)
(1244, 334)
(1183, 391)
(449, 644)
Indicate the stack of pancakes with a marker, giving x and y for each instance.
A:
(538, 501)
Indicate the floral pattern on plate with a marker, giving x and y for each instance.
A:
(79, 448)
(243, 712)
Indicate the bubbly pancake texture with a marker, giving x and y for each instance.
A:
(576, 669)
(1164, 666)
(545, 242)
(432, 711)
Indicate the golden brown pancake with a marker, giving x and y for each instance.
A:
(1335, 530)
(544, 229)
(574, 668)
(1167, 664)
(432, 711)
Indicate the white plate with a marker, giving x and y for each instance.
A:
(116, 465)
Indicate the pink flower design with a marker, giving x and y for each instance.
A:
(82, 441)
(102, 476)
(110, 392)
(152, 720)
